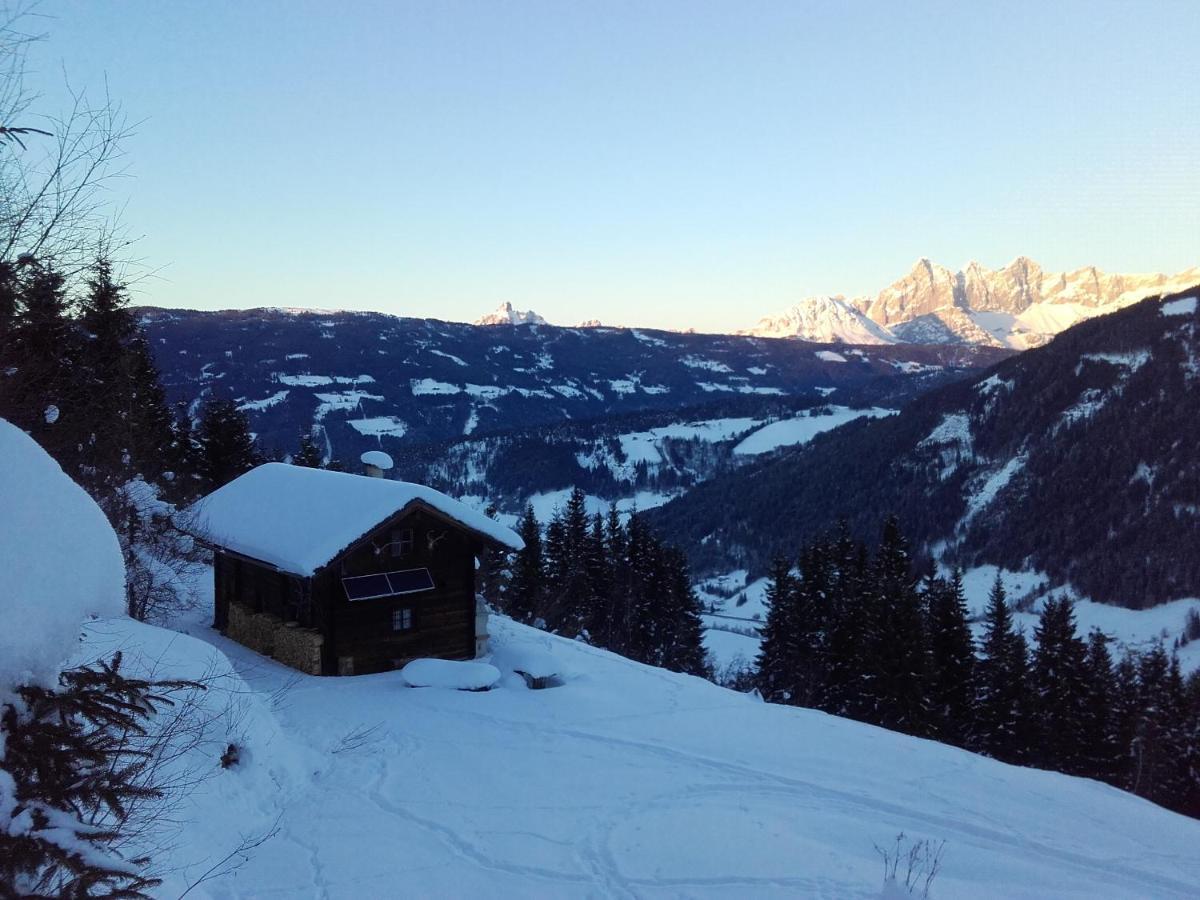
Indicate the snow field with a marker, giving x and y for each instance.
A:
(630, 781)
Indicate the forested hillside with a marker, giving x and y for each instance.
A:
(362, 381)
(1077, 459)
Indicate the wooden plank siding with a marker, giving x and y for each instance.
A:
(443, 619)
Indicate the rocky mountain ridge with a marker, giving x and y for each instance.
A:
(1018, 306)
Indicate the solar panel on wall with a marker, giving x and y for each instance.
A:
(387, 584)
(367, 587)
(410, 581)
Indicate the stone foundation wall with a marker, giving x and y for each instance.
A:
(267, 634)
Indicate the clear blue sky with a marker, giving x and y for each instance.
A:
(655, 163)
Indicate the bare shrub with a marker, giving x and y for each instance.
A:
(918, 861)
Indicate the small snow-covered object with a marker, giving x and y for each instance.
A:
(536, 665)
(452, 674)
(51, 414)
(378, 459)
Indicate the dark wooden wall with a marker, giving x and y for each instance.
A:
(444, 618)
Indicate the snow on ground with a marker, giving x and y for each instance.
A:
(423, 386)
(627, 781)
(985, 492)
(309, 381)
(546, 504)
(265, 403)
(379, 426)
(829, 356)
(802, 429)
(1184, 306)
(1129, 628)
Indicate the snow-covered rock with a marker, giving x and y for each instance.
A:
(60, 563)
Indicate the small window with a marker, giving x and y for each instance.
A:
(402, 619)
(402, 541)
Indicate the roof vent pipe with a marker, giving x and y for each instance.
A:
(375, 463)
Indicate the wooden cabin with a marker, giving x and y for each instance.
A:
(334, 573)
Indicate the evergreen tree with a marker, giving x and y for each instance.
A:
(1125, 710)
(777, 668)
(224, 446)
(308, 455)
(523, 596)
(952, 660)
(1159, 751)
(1059, 690)
(597, 569)
(1000, 709)
(1101, 757)
(681, 633)
(493, 569)
(899, 690)
(852, 634)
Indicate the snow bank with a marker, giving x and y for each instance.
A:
(451, 674)
(60, 562)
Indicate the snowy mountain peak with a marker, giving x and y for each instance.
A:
(1018, 306)
(505, 314)
(827, 320)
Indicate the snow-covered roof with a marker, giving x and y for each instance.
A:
(60, 563)
(299, 519)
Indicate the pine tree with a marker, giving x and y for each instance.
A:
(899, 691)
(523, 598)
(1159, 751)
(1000, 709)
(74, 778)
(597, 625)
(681, 635)
(952, 660)
(852, 633)
(777, 669)
(1099, 739)
(225, 448)
(308, 455)
(493, 569)
(1059, 689)
(1125, 710)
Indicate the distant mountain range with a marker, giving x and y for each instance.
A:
(1076, 460)
(1019, 306)
(363, 381)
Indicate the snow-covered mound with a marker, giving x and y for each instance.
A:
(632, 781)
(506, 315)
(451, 674)
(60, 563)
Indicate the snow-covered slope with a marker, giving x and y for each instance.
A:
(826, 320)
(626, 781)
(505, 314)
(1019, 306)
